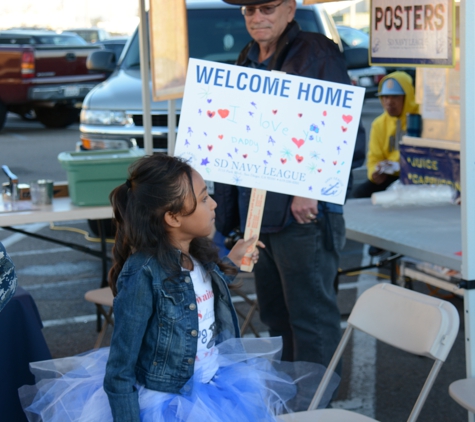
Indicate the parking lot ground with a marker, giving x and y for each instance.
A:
(376, 380)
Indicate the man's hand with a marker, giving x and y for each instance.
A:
(304, 210)
(378, 177)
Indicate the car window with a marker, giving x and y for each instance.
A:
(89, 36)
(306, 20)
(115, 47)
(224, 31)
(132, 57)
(60, 40)
(16, 40)
(352, 37)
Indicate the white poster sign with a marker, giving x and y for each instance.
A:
(269, 130)
(412, 32)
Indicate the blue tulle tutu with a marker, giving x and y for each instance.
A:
(250, 385)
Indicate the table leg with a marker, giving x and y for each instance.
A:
(469, 307)
(393, 271)
(102, 233)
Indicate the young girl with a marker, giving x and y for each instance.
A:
(175, 352)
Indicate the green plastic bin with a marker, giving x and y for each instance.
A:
(92, 175)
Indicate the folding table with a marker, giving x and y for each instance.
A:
(61, 209)
(427, 233)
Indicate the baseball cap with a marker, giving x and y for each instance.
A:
(391, 87)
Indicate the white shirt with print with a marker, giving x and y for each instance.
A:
(206, 354)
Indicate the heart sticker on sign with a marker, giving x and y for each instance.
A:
(298, 142)
(223, 113)
(347, 118)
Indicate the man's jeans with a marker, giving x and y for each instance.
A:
(295, 287)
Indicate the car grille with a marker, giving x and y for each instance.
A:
(157, 119)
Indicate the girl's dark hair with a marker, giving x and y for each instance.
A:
(157, 184)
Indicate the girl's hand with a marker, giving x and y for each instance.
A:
(240, 248)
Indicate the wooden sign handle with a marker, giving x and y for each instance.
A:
(254, 220)
(253, 225)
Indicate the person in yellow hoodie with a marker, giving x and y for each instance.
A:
(396, 93)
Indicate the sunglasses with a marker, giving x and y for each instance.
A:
(264, 10)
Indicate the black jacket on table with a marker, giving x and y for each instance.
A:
(298, 53)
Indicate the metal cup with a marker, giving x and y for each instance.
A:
(41, 192)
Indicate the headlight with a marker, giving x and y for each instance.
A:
(105, 117)
(89, 144)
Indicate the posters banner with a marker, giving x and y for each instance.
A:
(412, 32)
(169, 48)
(269, 130)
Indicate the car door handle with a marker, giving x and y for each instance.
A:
(70, 57)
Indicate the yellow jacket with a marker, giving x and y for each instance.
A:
(384, 126)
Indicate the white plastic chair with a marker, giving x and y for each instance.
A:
(102, 297)
(411, 321)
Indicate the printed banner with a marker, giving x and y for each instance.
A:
(429, 166)
(269, 130)
(412, 32)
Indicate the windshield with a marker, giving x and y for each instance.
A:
(217, 35)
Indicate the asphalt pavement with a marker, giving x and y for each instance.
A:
(377, 380)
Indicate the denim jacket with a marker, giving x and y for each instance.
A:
(154, 341)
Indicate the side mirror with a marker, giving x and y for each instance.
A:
(101, 61)
(356, 58)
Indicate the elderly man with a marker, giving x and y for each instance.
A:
(295, 274)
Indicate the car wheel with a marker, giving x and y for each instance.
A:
(3, 114)
(57, 117)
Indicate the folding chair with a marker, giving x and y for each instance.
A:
(408, 320)
(102, 297)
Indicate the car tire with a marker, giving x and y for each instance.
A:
(57, 117)
(3, 115)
